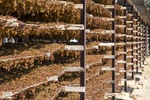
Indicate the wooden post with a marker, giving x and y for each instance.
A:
(1, 40)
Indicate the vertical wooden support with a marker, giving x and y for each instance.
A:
(142, 32)
(140, 40)
(83, 53)
(132, 45)
(125, 46)
(143, 42)
(137, 45)
(1, 40)
(114, 49)
(146, 41)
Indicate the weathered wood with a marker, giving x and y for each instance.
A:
(108, 6)
(129, 56)
(122, 53)
(52, 78)
(129, 64)
(106, 44)
(108, 68)
(1, 40)
(121, 35)
(121, 62)
(74, 69)
(74, 89)
(129, 35)
(74, 47)
(123, 8)
(122, 26)
(129, 22)
(129, 50)
(109, 56)
(121, 43)
(130, 29)
(122, 17)
(78, 6)
(108, 19)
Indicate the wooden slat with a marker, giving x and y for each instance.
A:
(109, 81)
(121, 62)
(121, 35)
(74, 69)
(108, 56)
(135, 60)
(52, 78)
(129, 50)
(117, 74)
(78, 6)
(108, 68)
(122, 71)
(102, 32)
(129, 64)
(74, 47)
(74, 89)
(129, 42)
(130, 14)
(129, 22)
(135, 48)
(60, 27)
(121, 43)
(135, 31)
(110, 31)
(108, 19)
(130, 29)
(123, 8)
(129, 35)
(6, 95)
(14, 24)
(122, 53)
(108, 6)
(129, 56)
(95, 47)
(135, 19)
(135, 54)
(74, 27)
(122, 26)
(135, 37)
(106, 44)
(123, 79)
(122, 17)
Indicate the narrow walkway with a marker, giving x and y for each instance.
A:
(139, 88)
(143, 92)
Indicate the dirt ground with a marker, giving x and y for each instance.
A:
(143, 93)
